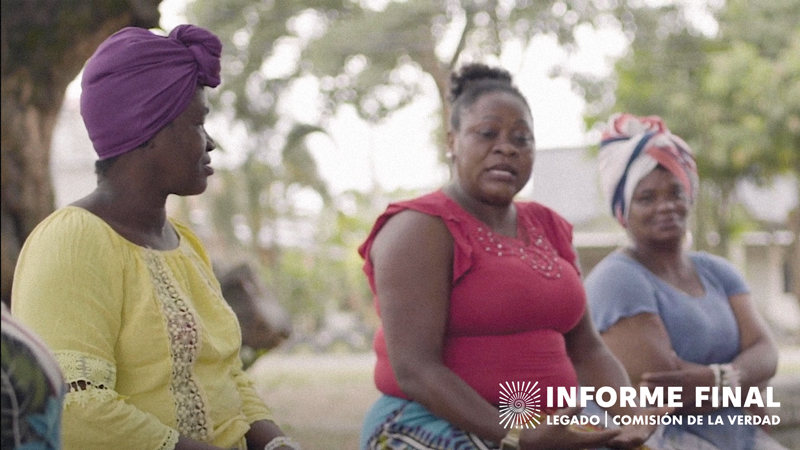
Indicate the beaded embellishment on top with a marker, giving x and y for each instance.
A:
(538, 253)
(184, 337)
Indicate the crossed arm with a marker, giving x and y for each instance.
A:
(642, 344)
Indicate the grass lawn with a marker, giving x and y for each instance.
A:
(320, 400)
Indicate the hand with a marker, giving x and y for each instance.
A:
(261, 433)
(689, 377)
(185, 443)
(564, 437)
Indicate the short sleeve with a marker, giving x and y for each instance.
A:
(68, 289)
(617, 289)
(723, 272)
(434, 204)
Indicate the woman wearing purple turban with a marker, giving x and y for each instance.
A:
(674, 317)
(125, 296)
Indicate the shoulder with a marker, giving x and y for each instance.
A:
(436, 204)
(185, 232)
(435, 199)
(409, 236)
(412, 245)
(74, 227)
(72, 250)
(70, 217)
(720, 270)
(613, 265)
(424, 211)
(617, 272)
(715, 265)
(710, 260)
(414, 229)
(542, 212)
(618, 287)
(190, 239)
(72, 257)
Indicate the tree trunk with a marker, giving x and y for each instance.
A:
(44, 46)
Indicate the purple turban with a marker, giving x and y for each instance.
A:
(137, 82)
(631, 148)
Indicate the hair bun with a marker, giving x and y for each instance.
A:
(475, 72)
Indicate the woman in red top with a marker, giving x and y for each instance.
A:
(476, 291)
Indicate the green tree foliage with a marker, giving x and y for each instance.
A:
(379, 60)
(274, 162)
(733, 96)
(374, 58)
(326, 274)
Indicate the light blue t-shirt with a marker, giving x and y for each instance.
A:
(702, 330)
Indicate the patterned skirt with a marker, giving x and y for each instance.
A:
(398, 424)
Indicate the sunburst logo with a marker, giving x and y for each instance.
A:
(520, 403)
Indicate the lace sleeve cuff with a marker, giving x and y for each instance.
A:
(86, 370)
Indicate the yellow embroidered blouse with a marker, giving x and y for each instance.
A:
(147, 331)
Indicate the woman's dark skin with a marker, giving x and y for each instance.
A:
(493, 159)
(656, 224)
(131, 197)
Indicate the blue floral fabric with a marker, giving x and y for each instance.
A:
(398, 424)
(32, 391)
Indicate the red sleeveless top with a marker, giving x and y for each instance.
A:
(511, 301)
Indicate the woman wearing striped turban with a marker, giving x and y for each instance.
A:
(126, 297)
(674, 317)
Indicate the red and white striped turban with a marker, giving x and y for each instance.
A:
(631, 147)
